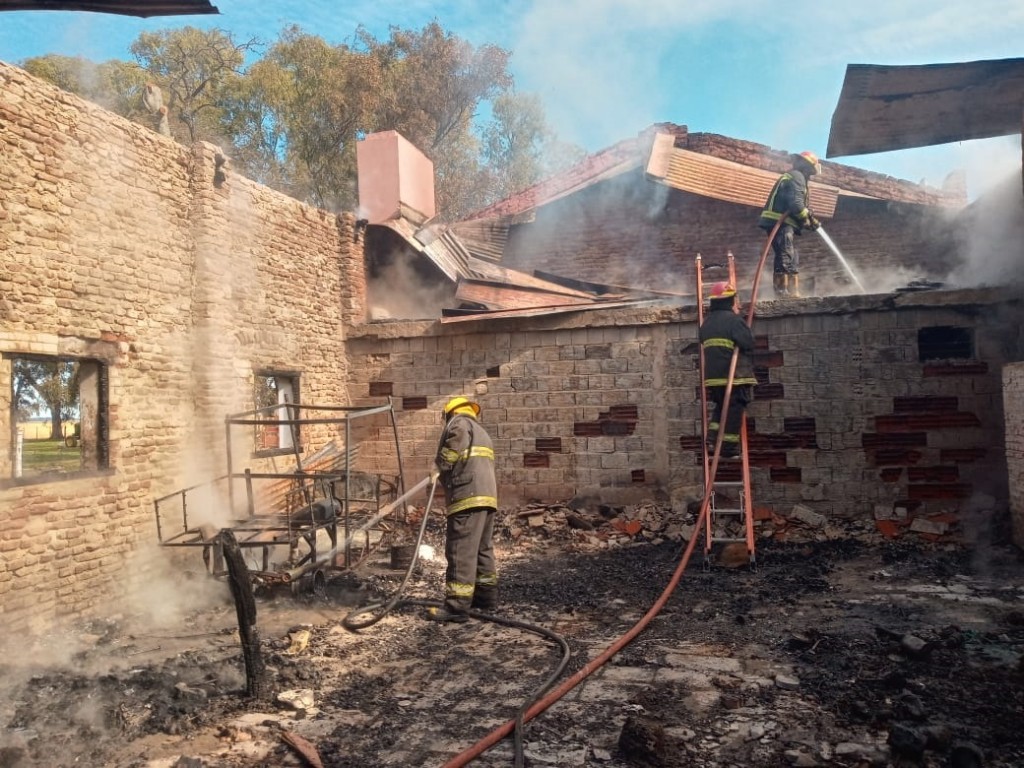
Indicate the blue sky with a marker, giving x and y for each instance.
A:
(606, 69)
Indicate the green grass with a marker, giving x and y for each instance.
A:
(49, 456)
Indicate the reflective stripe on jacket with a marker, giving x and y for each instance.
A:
(722, 332)
(465, 461)
(790, 198)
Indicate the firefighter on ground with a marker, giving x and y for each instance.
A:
(790, 200)
(722, 332)
(465, 467)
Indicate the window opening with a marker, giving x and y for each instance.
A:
(273, 393)
(58, 417)
(944, 343)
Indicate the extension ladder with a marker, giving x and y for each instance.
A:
(731, 490)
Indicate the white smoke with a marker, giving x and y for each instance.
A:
(397, 291)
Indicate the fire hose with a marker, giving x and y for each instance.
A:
(544, 697)
(381, 609)
(539, 706)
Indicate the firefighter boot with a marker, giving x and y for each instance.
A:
(485, 598)
(794, 286)
(446, 614)
(779, 284)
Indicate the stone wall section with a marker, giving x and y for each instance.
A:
(121, 245)
(848, 419)
(1013, 405)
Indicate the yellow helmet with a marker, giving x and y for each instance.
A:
(461, 404)
(812, 160)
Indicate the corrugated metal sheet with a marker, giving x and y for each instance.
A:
(484, 238)
(883, 108)
(553, 310)
(141, 8)
(439, 244)
(732, 182)
(495, 274)
(505, 296)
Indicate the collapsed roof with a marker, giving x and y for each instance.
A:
(469, 252)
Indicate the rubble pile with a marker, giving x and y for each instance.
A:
(581, 527)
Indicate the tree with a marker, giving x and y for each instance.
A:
(114, 85)
(435, 81)
(50, 385)
(294, 117)
(307, 102)
(70, 73)
(514, 143)
(195, 69)
(301, 110)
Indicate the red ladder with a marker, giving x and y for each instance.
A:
(718, 517)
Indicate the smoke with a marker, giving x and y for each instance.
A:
(990, 237)
(874, 280)
(397, 291)
(163, 587)
(223, 306)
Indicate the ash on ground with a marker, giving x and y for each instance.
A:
(843, 647)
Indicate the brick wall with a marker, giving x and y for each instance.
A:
(848, 417)
(122, 245)
(1013, 405)
(631, 231)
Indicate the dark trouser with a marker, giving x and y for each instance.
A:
(738, 401)
(471, 579)
(787, 260)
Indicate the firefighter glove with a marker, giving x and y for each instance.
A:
(812, 223)
(434, 474)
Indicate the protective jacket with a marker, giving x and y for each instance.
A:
(722, 332)
(465, 463)
(790, 198)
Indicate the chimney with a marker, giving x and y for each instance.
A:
(396, 180)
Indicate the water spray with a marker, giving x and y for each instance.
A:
(832, 247)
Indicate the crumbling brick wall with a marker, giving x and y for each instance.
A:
(856, 415)
(631, 231)
(1013, 405)
(184, 278)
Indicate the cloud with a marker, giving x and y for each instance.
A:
(602, 65)
(918, 31)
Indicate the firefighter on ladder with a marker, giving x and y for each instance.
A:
(723, 331)
(789, 201)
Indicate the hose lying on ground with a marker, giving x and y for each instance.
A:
(381, 609)
(540, 705)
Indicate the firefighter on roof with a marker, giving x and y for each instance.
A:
(789, 201)
(722, 332)
(465, 467)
